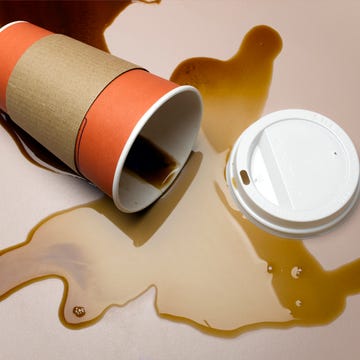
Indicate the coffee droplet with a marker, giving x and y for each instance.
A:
(298, 303)
(296, 272)
(79, 311)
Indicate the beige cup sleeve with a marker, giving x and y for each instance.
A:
(52, 87)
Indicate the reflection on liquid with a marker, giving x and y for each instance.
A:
(211, 268)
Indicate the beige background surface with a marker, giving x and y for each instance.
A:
(318, 69)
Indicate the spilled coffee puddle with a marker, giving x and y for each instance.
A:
(210, 267)
(234, 91)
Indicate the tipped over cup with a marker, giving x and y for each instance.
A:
(123, 128)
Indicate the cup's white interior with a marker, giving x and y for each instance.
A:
(172, 123)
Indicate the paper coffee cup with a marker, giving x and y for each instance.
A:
(294, 173)
(128, 131)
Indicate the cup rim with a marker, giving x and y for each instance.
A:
(137, 130)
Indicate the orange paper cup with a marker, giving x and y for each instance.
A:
(131, 136)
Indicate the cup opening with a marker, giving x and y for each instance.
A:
(171, 125)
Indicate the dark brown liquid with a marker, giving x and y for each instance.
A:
(150, 163)
(82, 20)
(211, 267)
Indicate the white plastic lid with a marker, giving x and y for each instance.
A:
(295, 173)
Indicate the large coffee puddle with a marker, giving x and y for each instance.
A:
(211, 268)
